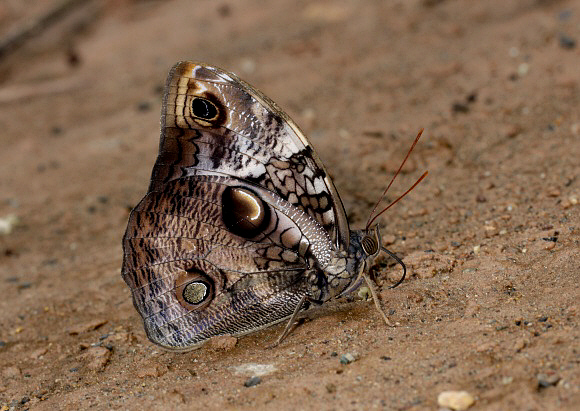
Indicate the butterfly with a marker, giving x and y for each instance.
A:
(241, 226)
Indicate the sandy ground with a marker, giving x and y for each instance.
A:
(491, 237)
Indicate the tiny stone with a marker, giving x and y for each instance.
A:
(491, 230)
(459, 107)
(347, 358)
(512, 130)
(507, 380)
(549, 246)
(545, 380)
(38, 353)
(567, 42)
(144, 106)
(455, 400)
(554, 192)
(330, 388)
(8, 223)
(523, 69)
(252, 381)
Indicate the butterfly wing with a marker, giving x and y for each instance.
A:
(237, 208)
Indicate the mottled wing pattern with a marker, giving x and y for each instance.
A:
(247, 136)
(238, 208)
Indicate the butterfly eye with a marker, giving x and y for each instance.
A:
(369, 245)
(204, 109)
(193, 289)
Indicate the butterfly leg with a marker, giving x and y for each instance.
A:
(304, 300)
(372, 286)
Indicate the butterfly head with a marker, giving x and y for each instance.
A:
(365, 246)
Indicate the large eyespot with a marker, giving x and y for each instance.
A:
(244, 213)
(369, 245)
(204, 109)
(194, 290)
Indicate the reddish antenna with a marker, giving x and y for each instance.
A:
(371, 218)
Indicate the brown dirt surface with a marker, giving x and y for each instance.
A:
(491, 237)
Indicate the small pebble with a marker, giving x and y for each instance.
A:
(507, 380)
(547, 380)
(252, 381)
(455, 400)
(490, 230)
(38, 353)
(523, 69)
(567, 42)
(459, 107)
(144, 106)
(347, 358)
(8, 223)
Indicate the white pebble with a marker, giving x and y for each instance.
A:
(455, 400)
(8, 223)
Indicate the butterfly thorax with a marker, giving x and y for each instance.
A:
(344, 272)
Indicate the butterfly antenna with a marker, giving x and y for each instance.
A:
(371, 218)
(399, 261)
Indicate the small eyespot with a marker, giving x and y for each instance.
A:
(196, 292)
(204, 109)
(369, 245)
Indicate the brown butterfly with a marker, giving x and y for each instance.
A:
(241, 227)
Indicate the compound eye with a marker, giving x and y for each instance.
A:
(369, 245)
